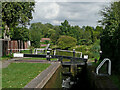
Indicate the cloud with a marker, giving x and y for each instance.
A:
(77, 13)
(57, 22)
(46, 10)
(51, 11)
(75, 0)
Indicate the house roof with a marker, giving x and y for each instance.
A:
(43, 39)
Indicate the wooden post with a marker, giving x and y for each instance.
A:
(73, 67)
(73, 60)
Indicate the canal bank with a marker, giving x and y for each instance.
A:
(98, 82)
(43, 77)
(55, 77)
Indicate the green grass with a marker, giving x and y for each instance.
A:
(33, 58)
(115, 78)
(17, 75)
(52, 59)
(6, 57)
(26, 51)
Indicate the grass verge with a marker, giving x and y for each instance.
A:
(17, 75)
(116, 80)
(7, 57)
(33, 58)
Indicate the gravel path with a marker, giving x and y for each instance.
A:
(5, 63)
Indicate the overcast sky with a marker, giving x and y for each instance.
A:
(77, 13)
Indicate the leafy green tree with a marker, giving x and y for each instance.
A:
(20, 33)
(65, 42)
(97, 33)
(39, 30)
(76, 32)
(54, 36)
(36, 34)
(15, 13)
(51, 32)
(65, 28)
(88, 35)
(110, 38)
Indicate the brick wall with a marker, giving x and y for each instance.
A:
(25, 44)
(14, 44)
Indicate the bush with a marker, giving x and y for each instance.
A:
(65, 42)
(92, 50)
(84, 42)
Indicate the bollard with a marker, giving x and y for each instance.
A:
(73, 67)
(85, 58)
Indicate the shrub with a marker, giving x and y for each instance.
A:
(65, 42)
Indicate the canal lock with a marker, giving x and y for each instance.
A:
(67, 80)
(69, 77)
(76, 77)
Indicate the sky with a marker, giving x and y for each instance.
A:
(77, 13)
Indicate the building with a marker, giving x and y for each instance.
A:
(44, 42)
(44, 39)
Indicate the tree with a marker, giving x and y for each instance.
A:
(16, 14)
(65, 28)
(110, 38)
(20, 33)
(97, 32)
(36, 34)
(88, 35)
(50, 32)
(65, 42)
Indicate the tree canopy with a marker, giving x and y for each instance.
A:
(84, 36)
(110, 37)
(65, 42)
(16, 15)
